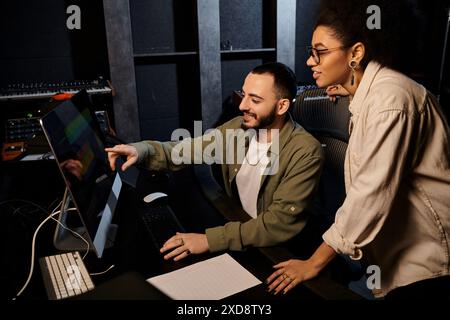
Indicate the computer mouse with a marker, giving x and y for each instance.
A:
(154, 196)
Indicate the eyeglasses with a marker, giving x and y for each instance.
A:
(239, 93)
(315, 53)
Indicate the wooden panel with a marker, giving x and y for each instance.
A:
(209, 56)
(120, 50)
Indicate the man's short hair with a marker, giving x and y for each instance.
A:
(284, 78)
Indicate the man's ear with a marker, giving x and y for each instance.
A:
(283, 106)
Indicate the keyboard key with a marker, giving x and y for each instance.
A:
(65, 275)
(161, 223)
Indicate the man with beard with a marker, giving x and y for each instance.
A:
(274, 180)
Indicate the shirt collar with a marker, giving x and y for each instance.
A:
(361, 93)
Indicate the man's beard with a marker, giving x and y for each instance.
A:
(264, 121)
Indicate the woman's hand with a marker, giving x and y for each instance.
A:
(336, 91)
(290, 273)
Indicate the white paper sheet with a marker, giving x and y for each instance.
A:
(211, 279)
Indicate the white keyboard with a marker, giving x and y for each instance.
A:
(65, 275)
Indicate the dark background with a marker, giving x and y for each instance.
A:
(36, 46)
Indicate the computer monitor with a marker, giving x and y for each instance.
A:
(84, 104)
(91, 185)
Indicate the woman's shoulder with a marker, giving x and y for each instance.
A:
(394, 90)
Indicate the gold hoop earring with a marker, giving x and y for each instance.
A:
(353, 64)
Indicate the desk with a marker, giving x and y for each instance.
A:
(133, 250)
(322, 285)
(191, 206)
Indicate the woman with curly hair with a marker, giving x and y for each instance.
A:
(396, 214)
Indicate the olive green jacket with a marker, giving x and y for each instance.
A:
(284, 194)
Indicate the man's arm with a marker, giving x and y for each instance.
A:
(175, 155)
(284, 218)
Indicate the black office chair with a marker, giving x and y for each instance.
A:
(328, 122)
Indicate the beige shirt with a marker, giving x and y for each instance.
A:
(397, 176)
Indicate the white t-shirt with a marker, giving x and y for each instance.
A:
(248, 178)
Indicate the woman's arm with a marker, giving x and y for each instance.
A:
(292, 272)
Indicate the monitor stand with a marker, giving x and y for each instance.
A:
(65, 240)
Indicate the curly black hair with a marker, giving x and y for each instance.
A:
(394, 45)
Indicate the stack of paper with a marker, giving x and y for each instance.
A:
(212, 279)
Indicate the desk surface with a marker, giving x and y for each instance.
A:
(134, 252)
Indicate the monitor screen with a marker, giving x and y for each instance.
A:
(94, 188)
